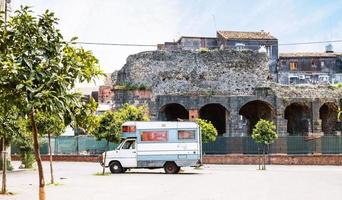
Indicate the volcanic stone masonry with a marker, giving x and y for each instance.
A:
(232, 89)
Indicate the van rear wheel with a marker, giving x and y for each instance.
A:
(115, 167)
(171, 168)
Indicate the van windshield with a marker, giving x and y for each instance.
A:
(119, 146)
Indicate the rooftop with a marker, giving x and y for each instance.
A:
(309, 54)
(240, 35)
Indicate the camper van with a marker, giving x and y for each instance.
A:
(168, 145)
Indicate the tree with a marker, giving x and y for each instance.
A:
(8, 129)
(209, 132)
(9, 115)
(109, 123)
(41, 68)
(51, 124)
(264, 133)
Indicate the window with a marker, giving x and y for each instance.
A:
(186, 134)
(154, 136)
(130, 144)
(313, 63)
(293, 66)
(322, 63)
(128, 129)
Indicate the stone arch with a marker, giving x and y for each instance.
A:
(253, 111)
(298, 119)
(328, 114)
(173, 112)
(217, 115)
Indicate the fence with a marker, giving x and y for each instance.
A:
(86, 145)
(283, 145)
(72, 145)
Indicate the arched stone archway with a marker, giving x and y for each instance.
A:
(173, 112)
(217, 115)
(253, 111)
(298, 119)
(328, 115)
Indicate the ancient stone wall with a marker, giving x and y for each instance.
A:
(196, 73)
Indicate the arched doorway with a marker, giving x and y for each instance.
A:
(328, 115)
(216, 114)
(173, 112)
(253, 111)
(298, 119)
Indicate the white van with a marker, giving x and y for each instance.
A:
(168, 145)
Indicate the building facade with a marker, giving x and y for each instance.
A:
(310, 68)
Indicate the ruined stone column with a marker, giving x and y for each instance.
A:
(193, 114)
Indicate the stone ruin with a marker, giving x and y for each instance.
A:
(233, 89)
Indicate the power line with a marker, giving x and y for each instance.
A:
(312, 42)
(154, 45)
(117, 44)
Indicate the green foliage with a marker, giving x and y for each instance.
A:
(39, 66)
(335, 86)
(203, 50)
(264, 132)
(49, 123)
(27, 159)
(110, 123)
(85, 119)
(24, 143)
(131, 86)
(209, 132)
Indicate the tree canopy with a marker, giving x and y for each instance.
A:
(109, 123)
(264, 132)
(209, 132)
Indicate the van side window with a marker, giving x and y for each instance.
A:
(130, 144)
(153, 136)
(186, 134)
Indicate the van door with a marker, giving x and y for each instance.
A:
(128, 154)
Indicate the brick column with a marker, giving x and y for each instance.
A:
(193, 114)
(316, 123)
(316, 127)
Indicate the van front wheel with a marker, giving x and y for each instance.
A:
(171, 168)
(115, 167)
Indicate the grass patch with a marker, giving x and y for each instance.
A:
(54, 184)
(199, 167)
(101, 174)
(9, 193)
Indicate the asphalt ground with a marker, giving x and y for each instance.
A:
(77, 180)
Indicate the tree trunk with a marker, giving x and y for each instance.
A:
(50, 153)
(4, 168)
(105, 157)
(37, 156)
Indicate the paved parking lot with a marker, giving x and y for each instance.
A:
(213, 182)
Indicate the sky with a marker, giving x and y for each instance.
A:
(157, 21)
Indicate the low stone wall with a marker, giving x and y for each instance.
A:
(274, 159)
(229, 159)
(70, 158)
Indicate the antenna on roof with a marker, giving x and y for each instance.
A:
(214, 20)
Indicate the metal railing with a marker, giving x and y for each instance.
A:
(86, 145)
(283, 145)
(73, 145)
